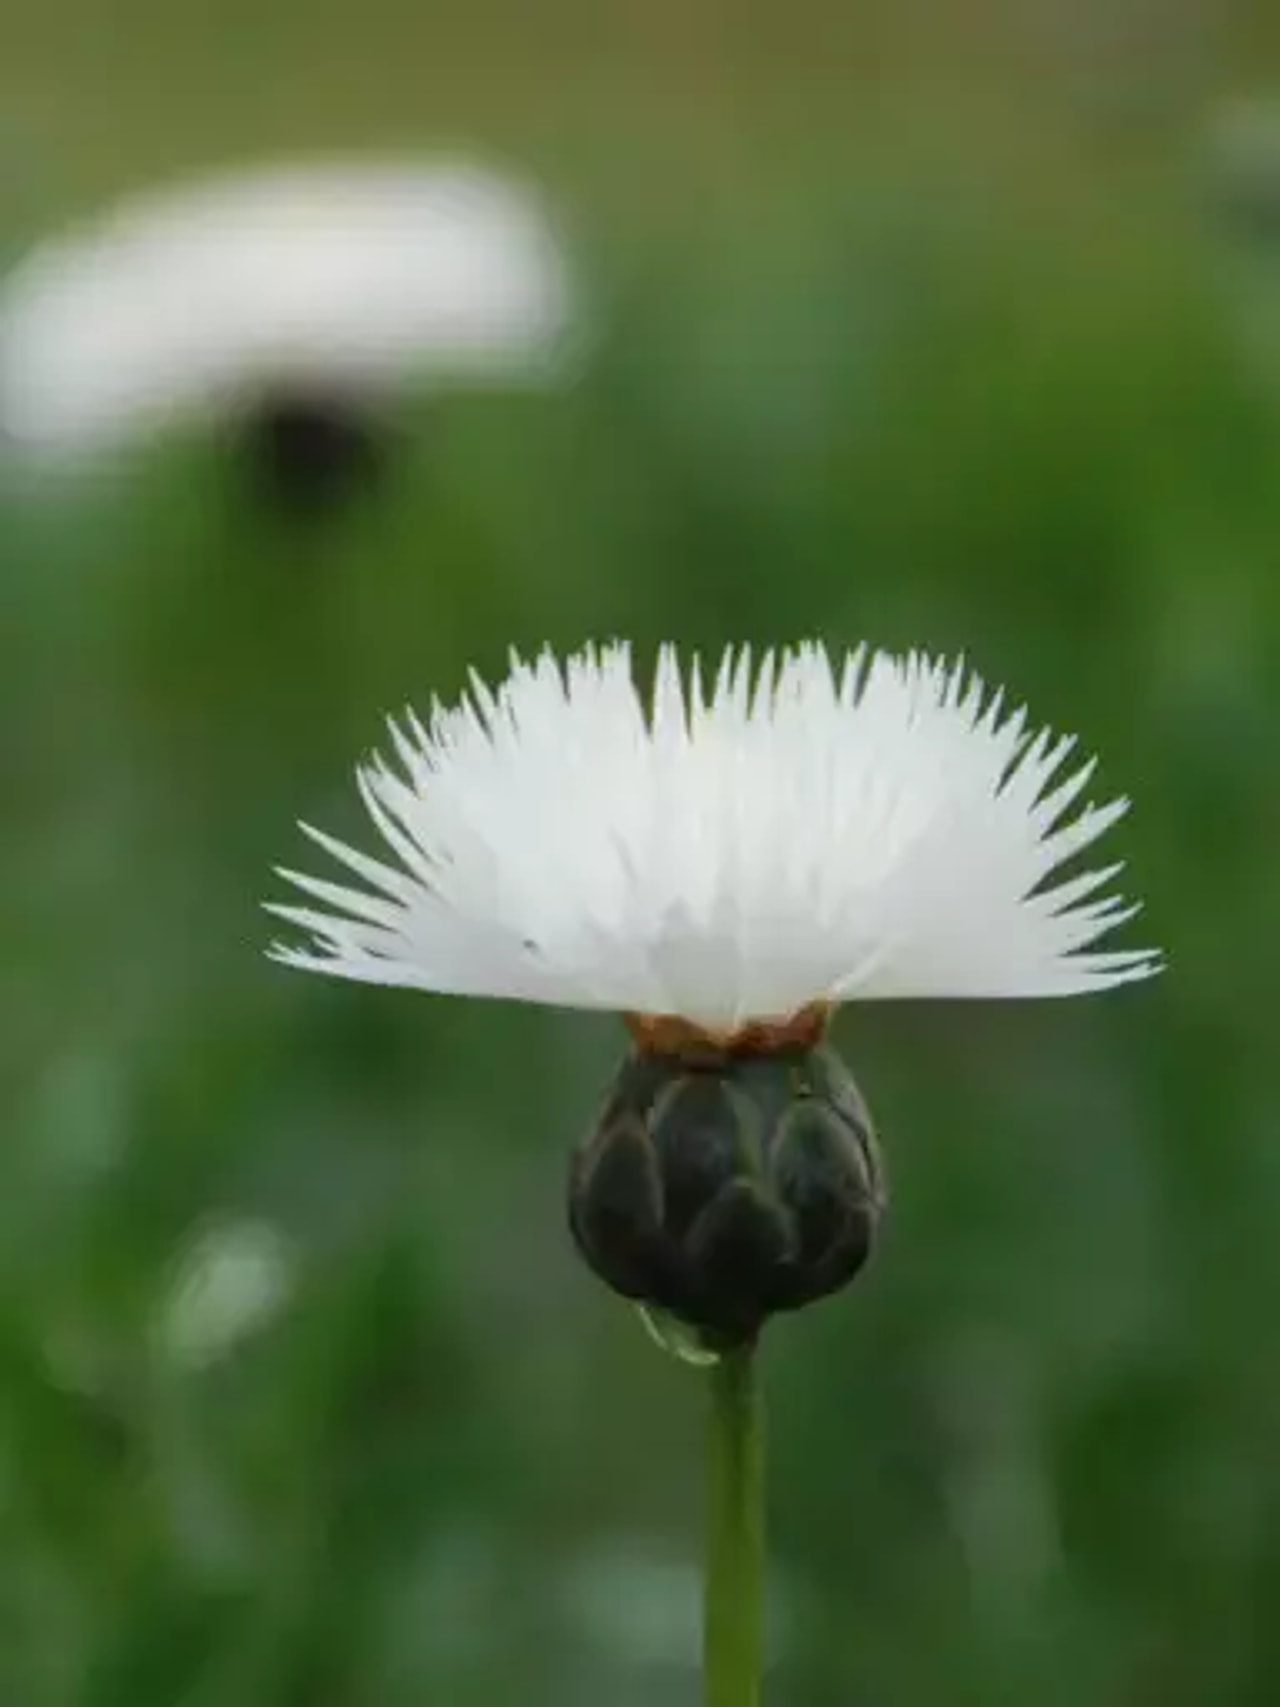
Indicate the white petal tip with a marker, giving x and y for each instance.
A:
(756, 834)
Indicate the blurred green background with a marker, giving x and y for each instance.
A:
(930, 323)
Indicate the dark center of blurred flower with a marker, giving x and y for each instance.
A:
(309, 455)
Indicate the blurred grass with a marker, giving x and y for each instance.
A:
(989, 399)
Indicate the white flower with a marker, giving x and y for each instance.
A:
(343, 278)
(1243, 161)
(804, 834)
(230, 1281)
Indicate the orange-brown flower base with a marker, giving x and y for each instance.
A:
(668, 1034)
(729, 1177)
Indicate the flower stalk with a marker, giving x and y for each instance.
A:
(734, 1606)
(724, 863)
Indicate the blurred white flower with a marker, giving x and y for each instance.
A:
(1241, 173)
(805, 833)
(230, 1280)
(337, 281)
(643, 1606)
(1243, 162)
(639, 1606)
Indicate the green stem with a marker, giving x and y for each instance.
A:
(734, 1630)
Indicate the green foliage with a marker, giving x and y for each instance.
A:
(410, 1452)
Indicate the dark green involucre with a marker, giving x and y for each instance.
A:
(727, 1191)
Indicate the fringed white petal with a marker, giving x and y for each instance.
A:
(797, 833)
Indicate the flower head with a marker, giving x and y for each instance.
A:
(329, 281)
(734, 856)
